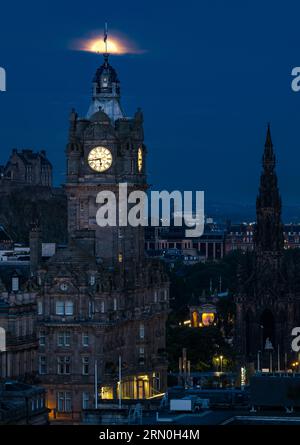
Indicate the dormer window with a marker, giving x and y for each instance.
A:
(105, 82)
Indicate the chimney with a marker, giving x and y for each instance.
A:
(35, 244)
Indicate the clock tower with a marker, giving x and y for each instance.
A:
(105, 149)
(103, 303)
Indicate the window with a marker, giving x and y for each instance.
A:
(23, 327)
(64, 365)
(42, 338)
(64, 401)
(40, 308)
(141, 355)
(42, 364)
(85, 365)
(156, 381)
(64, 308)
(85, 339)
(91, 309)
(60, 308)
(85, 400)
(69, 308)
(92, 280)
(2, 340)
(102, 307)
(155, 296)
(142, 351)
(63, 338)
(115, 304)
(142, 330)
(15, 284)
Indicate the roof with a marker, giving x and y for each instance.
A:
(72, 254)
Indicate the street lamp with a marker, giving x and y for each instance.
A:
(221, 359)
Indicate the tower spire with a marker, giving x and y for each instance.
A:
(105, 37)
(269, 160)
(269, 230)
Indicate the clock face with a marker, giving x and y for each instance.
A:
(100, 159)
(140, 159)
(64, 287)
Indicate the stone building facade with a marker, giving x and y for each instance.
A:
(18, 340)
(26, 167)
(103, 304)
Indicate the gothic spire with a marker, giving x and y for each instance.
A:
(269, 161)
(269, 230)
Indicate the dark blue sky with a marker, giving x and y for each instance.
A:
(215, 72)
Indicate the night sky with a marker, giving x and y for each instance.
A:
(213, 74)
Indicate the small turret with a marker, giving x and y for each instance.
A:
(106, 92)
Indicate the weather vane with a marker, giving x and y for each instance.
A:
(105, 36)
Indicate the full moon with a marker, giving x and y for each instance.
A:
(113, 46)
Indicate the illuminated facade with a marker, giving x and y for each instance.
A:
(203, 315)
(102, 299)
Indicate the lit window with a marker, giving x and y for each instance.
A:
(120, 258)
(207, 319)
(195, 319)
